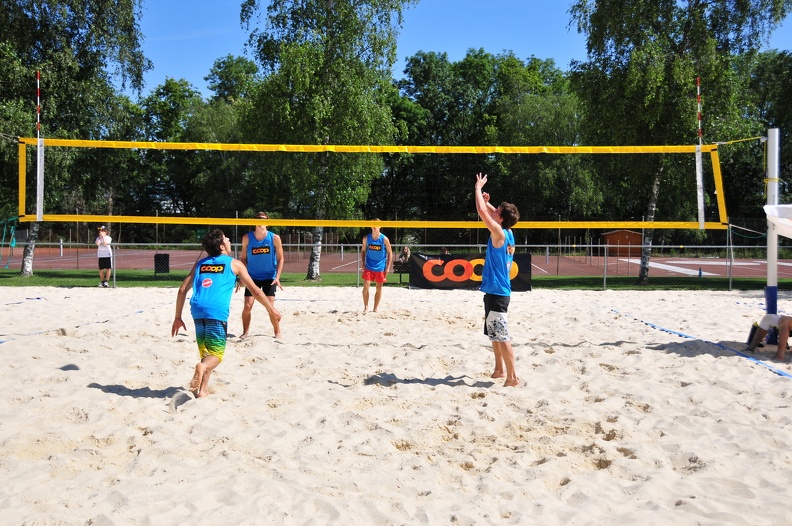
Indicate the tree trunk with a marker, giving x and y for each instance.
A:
(27, 258)
(314, 273)
(646, 250)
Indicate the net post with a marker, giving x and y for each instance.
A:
(22, 178)
(771, 291)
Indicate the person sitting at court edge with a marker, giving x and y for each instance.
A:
(404, 256)
(767, 321)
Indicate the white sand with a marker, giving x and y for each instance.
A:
(391, 417)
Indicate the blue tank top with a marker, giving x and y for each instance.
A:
(262, 260)
(213, 284)
(509, 243)
(376, 253)
(495, 275)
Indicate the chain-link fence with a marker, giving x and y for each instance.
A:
(600, 266)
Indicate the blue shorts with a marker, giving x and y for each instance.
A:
(211, 335)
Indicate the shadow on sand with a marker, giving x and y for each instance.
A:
(389, 379)
(143, 392)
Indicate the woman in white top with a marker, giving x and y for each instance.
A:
(105, 254)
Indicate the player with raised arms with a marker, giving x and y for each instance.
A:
(495, 281)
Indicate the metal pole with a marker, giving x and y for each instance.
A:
(773, 149)
(39, 154)
(730, 254)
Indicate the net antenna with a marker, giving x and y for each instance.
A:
(39, 154)
(699, 165)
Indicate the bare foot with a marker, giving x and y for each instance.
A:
(511, 383)
(278, 336)
(244, 336)
(778, 358)
(195, 383)
(498, 374)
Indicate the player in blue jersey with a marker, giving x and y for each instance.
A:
(377, 258)
(495, 280)
(213, 278)
(262, 254)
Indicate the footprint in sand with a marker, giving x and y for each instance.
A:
(179, 399)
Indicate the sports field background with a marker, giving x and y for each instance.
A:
(547, 261)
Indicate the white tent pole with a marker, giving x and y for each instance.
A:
(773, 157)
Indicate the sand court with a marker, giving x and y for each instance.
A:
(634, 407)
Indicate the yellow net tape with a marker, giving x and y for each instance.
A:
(363, 223)
(307, 148)
(339, 148)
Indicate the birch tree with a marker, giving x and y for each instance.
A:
(639, 81)
(327, 70)
(81, 47)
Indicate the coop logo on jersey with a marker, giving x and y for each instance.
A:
(212, 269)
(260, 250)
(375, 248)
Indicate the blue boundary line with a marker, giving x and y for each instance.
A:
(719, 345)
(76, 326)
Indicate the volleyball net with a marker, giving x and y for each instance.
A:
(697, 151)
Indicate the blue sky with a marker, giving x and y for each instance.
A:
(184, 37)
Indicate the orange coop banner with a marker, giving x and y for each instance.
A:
(463, 271)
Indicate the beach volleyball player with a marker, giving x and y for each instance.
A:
(495, 280)
(377, 257)
(214, 280)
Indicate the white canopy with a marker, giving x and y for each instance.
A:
(781, 217)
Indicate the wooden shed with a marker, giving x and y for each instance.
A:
(627, 243)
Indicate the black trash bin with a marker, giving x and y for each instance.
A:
(161, 264)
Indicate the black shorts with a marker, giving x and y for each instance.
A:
(266, 285)
(105, 263)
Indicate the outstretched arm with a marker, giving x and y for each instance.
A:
(496, 232)
(241, 271)
(243, 258)
(389, 253)
(185, 287)
(279, 257)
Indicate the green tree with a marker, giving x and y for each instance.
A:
(535, 108)
(170, 174)
(81, 47)
(638, 85)
(231, 78)
(221, 179)
(328, 72)
(771, 91)
(488, 99)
